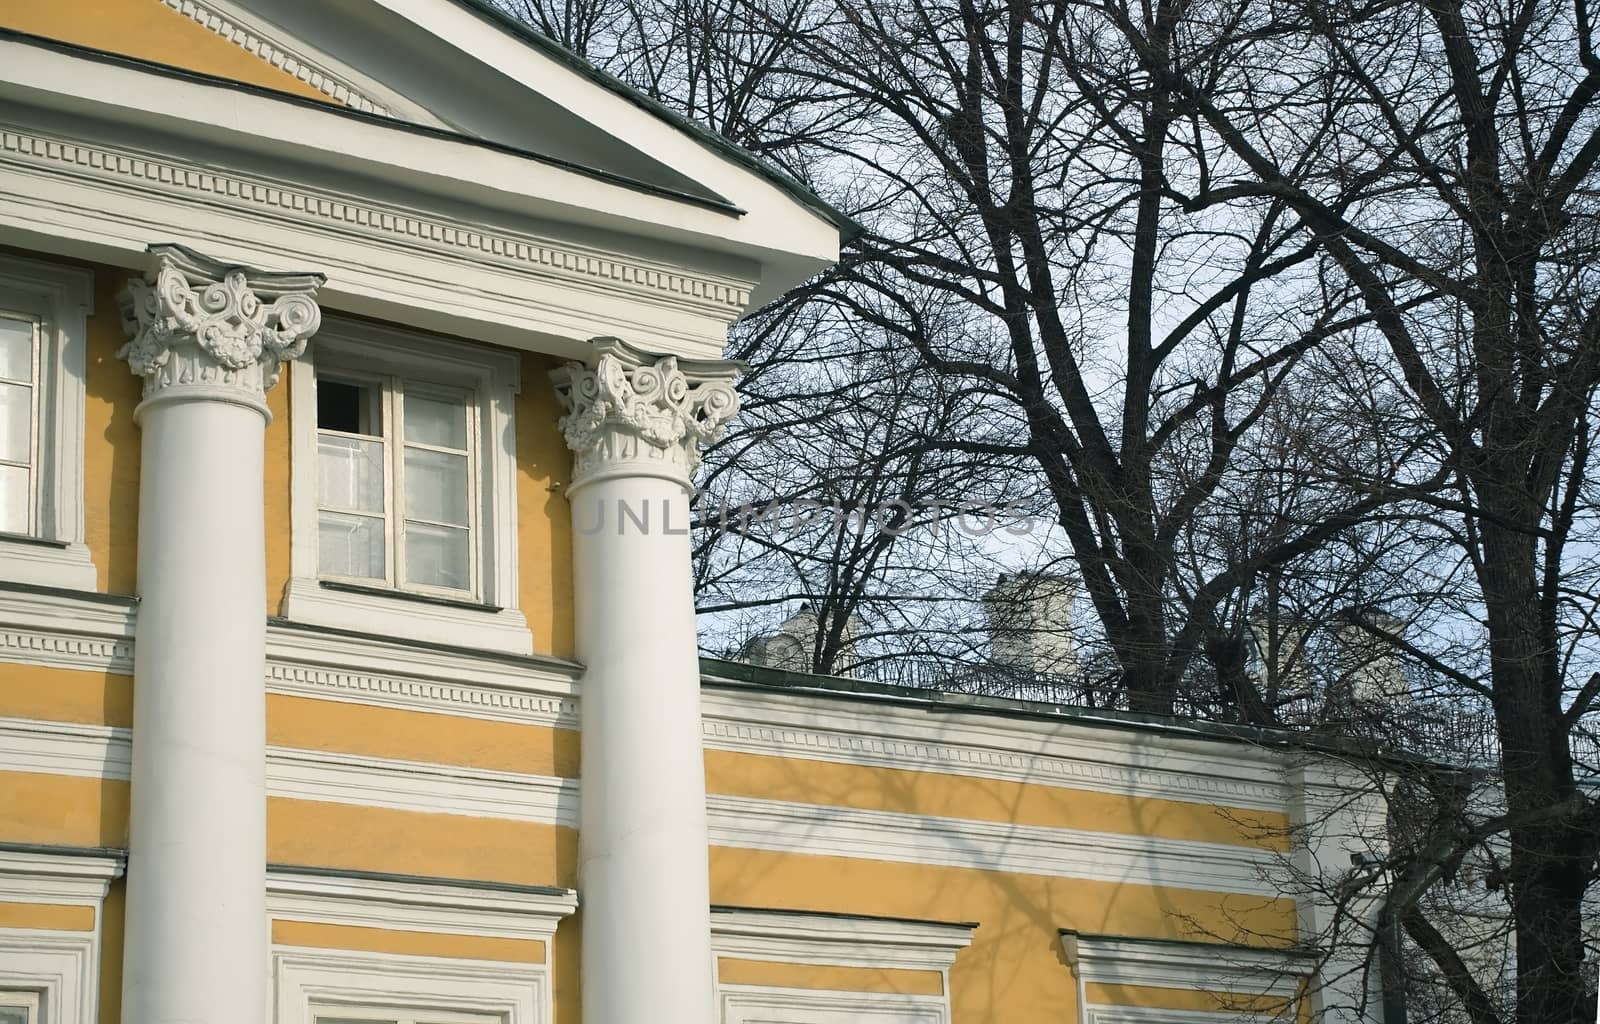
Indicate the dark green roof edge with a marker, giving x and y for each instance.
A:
(848, 226)
(741, 675)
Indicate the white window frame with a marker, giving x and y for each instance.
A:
(751, 1005)
(61, 967)
(400, 1014)
(31, 1000)
(60, 299)
(490, 620)
(306, 981)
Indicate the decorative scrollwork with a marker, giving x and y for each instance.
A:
(193, 320)
(628, 407)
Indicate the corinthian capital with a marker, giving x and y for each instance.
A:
(633, 412)
(201, 328)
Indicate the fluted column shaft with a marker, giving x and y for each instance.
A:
(208, 338)
(635, 424)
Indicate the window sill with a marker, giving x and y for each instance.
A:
(46, 563)
(390, 613)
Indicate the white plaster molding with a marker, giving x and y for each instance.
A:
(45, 876)
(369, 222)
(401, 904)
(740, 822)
(302, 978)
(741, 1004)
(207, 328)
(494, 377)
(636, 414)
(1150, 1015)
(1243, 972)
(60, 299)
(61, 966)
(806, 938)
(230, 26)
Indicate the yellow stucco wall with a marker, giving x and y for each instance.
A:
(148, 30)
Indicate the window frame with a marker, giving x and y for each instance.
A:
(59, 299)
(488, 616)
(305, 979)
(368, 1013)
(30, 999)
(392, 391)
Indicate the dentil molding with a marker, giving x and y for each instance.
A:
(638, 414)
(204, 328)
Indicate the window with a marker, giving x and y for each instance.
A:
(403, 487)
(19, 1007)
(397, 484)
(43, 323)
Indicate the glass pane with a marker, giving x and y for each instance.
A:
(436, 486)
(13, 1015)
(349, 408)
(438, 556)
(350, 546)
(16, 422)
(16, 348)
(350, 473)
(16, 499)
(431, 421)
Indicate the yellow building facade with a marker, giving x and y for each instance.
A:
(461, 210)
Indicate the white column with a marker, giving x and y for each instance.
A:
(635, 424)
(209, 339)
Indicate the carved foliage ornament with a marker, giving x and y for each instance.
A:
(195, 321)
(626, 409)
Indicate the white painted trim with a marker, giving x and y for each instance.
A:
(743, 1004)
(40, 876)
(397, 904)
(61, 298)
(840, 941)
(1148, 1015)
(519, 993)
(494, 377)
(1192, 966)
(62, 966)
(740, 822)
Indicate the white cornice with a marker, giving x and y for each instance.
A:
(44, 876)
(416, 905)
(837, 940)
(1195, 966)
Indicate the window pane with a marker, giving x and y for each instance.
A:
(16, 498)
(436, 487)
(438, 556)
(16, 348)
(350, 473)
(431, 421)
(349, 408)
(13, 1015)
(350, 546)
(16, 422)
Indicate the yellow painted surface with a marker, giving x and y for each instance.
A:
(406, 943)
(111, 440)
(1014, 971)
(49, 916)
(314, 834)
(275, 490)
(1155, 998)
(148, 30)
(111, 931)
(308, 723)
(566, 978)
(544, 521)
(731, 971)
(63, 810)
(66, 695)
(959, 796)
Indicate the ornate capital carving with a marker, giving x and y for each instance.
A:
(200, 328)
(639, 413)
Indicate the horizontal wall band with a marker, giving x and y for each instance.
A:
(741, 822)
